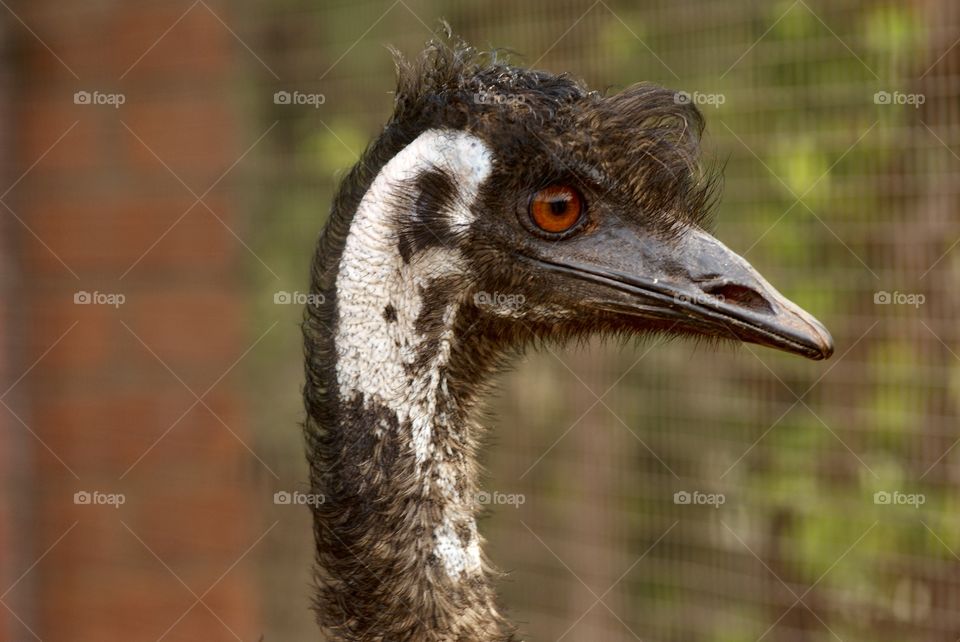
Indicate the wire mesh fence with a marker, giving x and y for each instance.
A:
(668, 492)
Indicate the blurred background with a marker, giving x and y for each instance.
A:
(160, 202)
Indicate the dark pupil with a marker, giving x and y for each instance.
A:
(558, 206)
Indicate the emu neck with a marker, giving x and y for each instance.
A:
(398, 549)
(394, 343)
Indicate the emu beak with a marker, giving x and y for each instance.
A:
(696, 282)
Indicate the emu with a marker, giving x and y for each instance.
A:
(500, 207)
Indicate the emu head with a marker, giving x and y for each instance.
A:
(558, 211)
(498, 205)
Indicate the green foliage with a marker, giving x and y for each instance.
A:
(894, 30)
(328, 151)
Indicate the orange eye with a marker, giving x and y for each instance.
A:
(556, 208)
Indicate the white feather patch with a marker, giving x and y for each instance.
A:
(371, 351)
(373, 275)
(457, 558)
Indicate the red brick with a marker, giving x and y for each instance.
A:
(100, 572)
(200, 624)
(235, 596)
(105, 44)
(109, 235)
(42, 122)
(202, 527)
(86, 346)
(190, 134)
(117, 601)
(107, 434)
(199, 439)
(198, 44)
(99, 399)
(99, 539)
(108, 431)
(63, 36)
(186, 326)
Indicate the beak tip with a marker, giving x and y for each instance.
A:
(826, 350)
(821, 341)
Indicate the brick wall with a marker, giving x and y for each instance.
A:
(110, 405)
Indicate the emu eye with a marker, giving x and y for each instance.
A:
(557, 208)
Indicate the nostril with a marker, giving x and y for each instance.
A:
(740, 296)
